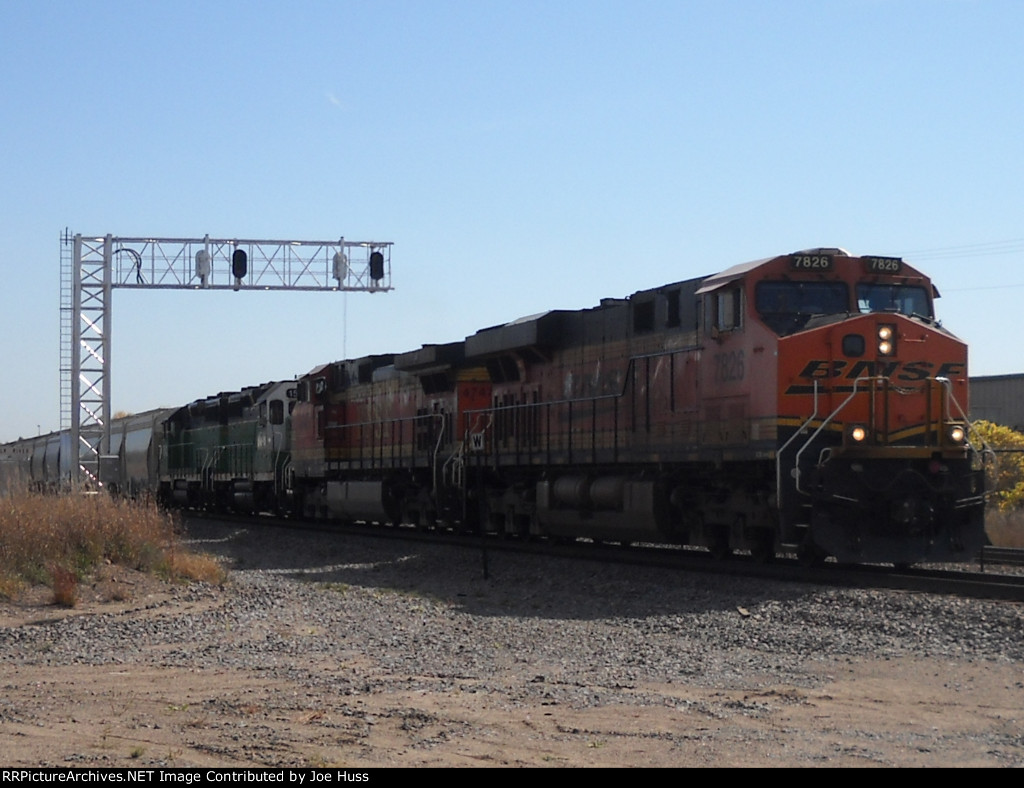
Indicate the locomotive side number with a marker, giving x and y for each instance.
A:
(729, 366)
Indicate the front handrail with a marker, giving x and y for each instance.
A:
(947, 384)
(828, 420)
(942, 381)
(784, 446)
(985, 450)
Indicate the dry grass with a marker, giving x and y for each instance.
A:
(65, 586)
(57, 540)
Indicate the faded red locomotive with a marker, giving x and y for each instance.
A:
(807, 402)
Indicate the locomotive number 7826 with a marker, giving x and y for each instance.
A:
(729, 366)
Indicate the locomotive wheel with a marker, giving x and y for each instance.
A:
(720, 547)
(763, 550)
(809, 554)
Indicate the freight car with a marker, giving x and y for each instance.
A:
(131, 468)
(808, 402)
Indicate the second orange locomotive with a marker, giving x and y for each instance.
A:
(806, 402)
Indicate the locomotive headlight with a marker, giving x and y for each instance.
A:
(956, 433)
(886, 340)
(858, 434)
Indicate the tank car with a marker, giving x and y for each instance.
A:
(807, 402)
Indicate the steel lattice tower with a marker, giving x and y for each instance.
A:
(92, 267)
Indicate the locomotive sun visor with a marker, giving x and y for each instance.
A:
(730, 275)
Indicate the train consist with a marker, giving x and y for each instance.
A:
(808, 402)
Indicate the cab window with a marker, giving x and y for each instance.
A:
(727, 309)
(785, 307)
(904, 299)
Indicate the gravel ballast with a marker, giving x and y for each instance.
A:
(341, 619)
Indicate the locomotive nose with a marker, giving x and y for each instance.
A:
(913, 516)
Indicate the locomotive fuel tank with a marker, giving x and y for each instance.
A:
(605, 508)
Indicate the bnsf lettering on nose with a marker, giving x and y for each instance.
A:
(820, 369)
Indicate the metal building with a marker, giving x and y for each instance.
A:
(999, 399)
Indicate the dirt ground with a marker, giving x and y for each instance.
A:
(866, 712)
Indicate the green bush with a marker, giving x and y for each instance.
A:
(1008, 479)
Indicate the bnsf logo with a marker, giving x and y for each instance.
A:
(910, 371)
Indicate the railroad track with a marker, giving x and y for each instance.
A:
(966, 582)
(1007, 556)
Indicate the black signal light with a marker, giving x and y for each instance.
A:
(239, 264)
(376, 266)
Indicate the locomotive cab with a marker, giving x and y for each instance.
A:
(874, 458)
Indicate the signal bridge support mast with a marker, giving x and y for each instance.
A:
(92, 267)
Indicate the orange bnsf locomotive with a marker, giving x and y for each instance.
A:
(808, 402)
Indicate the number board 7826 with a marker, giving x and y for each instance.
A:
(811, 262)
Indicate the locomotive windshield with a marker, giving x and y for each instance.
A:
(905, 299)
(787, 306)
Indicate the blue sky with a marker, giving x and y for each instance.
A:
(521, 156)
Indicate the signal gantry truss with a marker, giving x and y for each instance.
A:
(91, 267)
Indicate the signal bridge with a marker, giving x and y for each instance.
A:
(91, 267)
